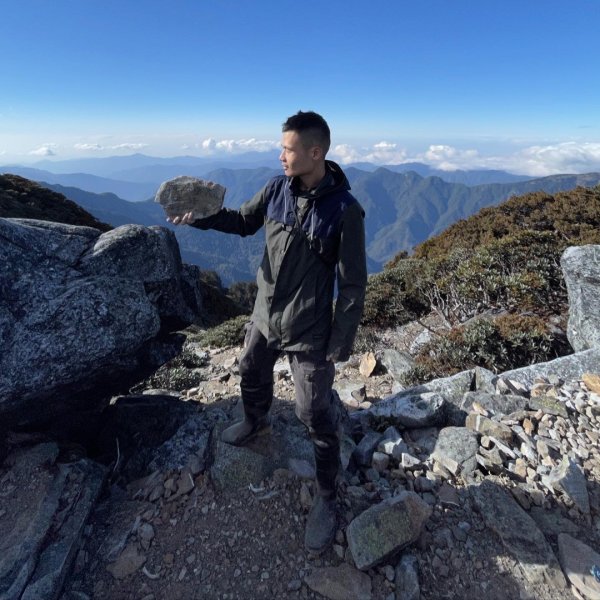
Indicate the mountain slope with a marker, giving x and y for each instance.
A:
(24, 199)
(404, 209)
(109, 207)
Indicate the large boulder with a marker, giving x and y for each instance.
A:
(581, 269)
(84, 314)
(568, 368)
(518, 532)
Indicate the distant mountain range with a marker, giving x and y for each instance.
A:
(136, 177)
(474, 177)
(403, 209)
(405, 204)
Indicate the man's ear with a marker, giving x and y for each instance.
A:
(316, 153)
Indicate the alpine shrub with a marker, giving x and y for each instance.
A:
(517, 272)
(393, 297)
(501, 344)
(229, 333)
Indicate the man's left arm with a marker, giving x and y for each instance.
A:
(351, 282)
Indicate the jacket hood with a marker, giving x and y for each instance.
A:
(335, 180)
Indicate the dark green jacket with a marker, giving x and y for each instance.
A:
(313, 240)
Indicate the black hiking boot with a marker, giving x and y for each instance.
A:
(321, 525)
(243, 431)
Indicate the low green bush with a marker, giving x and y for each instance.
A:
(501, 344)
(517, 272)
(393, 296)
(229, 333)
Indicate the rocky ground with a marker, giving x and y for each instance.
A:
(505, 507)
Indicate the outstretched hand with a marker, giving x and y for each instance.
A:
(185, 219)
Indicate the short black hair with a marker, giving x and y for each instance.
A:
(311, 127)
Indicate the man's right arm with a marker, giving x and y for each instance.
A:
(245, 221)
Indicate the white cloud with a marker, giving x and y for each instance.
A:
(381, 153)
(44, 150)
(128, 146)
(93, 147)
(448, 158)
(209, 144)
(99, 147)
(345, 153)
(238, 146)
(385, 146)
(567, 157)
(536, 161)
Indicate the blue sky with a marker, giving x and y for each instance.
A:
(454, 83)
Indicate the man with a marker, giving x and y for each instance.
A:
(314, 236)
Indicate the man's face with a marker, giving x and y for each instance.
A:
(296, 159)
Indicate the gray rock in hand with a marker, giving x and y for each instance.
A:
(185, 194)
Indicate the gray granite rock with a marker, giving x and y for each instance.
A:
(455, 449)
(359, 499)
(351, 392)
(392, 444)
(397, 363)
(340, 583)
(407, 578)
(191, 438)
(549, 405)
(570, 479)
(87, 314)
(577, 560)
(302, 468)
(552, 523)
(409, 409)
(498, 404)
(347, 448)
(452, 390)
(85, 480)
(518, 532)
(581, 268)
(386, 528)
(424, 437)
(484, 380)
(188, 194)
(363, 453)
(571, 367)
(38, 551)
(443, 396)
(452, 387)
(485, 426)
(239, 466)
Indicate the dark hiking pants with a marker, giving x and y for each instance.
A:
(313, 379)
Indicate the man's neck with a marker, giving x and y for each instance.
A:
(310, 181)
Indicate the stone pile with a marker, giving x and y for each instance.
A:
(419, 498)
(520, 450)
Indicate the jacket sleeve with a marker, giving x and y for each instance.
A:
(351, 281)
(245, 221)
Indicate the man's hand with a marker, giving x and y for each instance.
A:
(185, 219)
